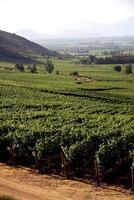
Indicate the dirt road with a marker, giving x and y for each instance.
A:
(23, 184)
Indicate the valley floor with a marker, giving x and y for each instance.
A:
(24, 184)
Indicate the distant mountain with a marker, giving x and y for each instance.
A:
(77, 33)
(121, 28)
(86, 29)
(16, 48)
(32, 35)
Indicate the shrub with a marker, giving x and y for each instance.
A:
(78, 82)
(117, 68)
(57, 72)
(129, 69)
(74, 73)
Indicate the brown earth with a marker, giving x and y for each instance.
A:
(24, 184)
(84, 79)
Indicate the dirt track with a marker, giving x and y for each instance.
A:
(23, 184)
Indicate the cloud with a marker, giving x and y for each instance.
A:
(127, 2)
(130, 1)
(3, 1)
(53, 15)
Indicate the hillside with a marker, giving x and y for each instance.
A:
(17, 48)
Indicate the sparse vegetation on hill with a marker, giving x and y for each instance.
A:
(16, 48)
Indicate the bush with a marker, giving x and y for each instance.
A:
(78, 82)
(75, 73)
(117, 68)
(57, 72)
(129, 69)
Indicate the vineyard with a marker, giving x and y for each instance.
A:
(52, 123)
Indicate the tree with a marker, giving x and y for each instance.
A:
(90, 59)
(33, 69)
(129, 69)
(19, 67)
(49, 66)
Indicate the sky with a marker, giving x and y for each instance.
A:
(53, 16)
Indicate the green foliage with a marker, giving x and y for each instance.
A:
(108, 155)
(48, 146)
(89, 60)
(131, 154)
(19, 67)
(117, 68)
(49, 66)
(85, 148)
(129, 69)
(74, 73)
(94, 120)
(57, 72)
(114, 59)
(33, 68)
(111, 153)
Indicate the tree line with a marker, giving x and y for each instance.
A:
(49, 67)
(107, 60)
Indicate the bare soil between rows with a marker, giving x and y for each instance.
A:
(24, 184)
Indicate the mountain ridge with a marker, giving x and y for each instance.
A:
(85, 29)
(14, 47)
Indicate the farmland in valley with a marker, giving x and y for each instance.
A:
(88, 118)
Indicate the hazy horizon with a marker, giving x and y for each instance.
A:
(53, 17)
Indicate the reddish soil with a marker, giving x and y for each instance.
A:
(24, 184)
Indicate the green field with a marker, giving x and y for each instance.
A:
(91, 119)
